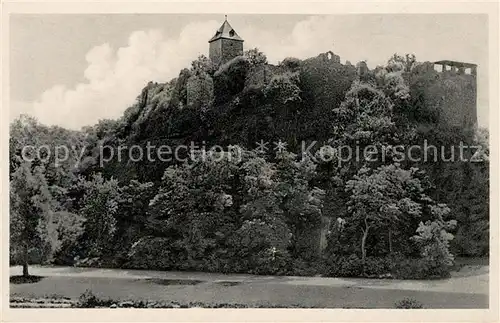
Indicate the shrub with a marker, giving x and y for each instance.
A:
(230, 78)
(200, 91)
(89, 300)
(173, 304)
(291, 62)
(352, 266)
(271, 262)
(284, 88)
(378, 267)
(300, 267)
(419, 268)
(409, 269)
(408, 303)
(344, 266)
(202, 65)
(433, 239)
(255, 57)
(151, 253)
(88, 262)
(179, 92)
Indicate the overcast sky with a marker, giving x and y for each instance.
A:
(73, 70)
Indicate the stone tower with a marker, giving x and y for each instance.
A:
(225, 44)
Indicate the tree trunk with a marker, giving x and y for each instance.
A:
(390, 241)
(25, 261)
(363, 246)
(25, 270)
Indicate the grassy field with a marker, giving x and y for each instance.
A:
(253, 293)
(63, 286)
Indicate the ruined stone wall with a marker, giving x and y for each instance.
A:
(451, 93)
(458, 101)
(260, 75)
(324, 84)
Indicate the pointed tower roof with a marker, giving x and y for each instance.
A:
(225, 31)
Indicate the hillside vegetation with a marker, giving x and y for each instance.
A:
(267, 212)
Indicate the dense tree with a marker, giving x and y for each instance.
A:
(202, 65)
(58, 150)
(193, 207)
(301, 202)
(383, 200)
(99, 208)
(233, 211)
(433, 237)
(30, 216)
(255, 57)
(390, 199)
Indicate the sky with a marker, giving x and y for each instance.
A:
(72, 70)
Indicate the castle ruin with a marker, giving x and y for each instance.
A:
(458, 81)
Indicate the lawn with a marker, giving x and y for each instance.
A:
(252, 294)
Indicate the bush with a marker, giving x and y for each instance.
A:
(378, 267)
(291, 63)
(409, 269)
(88, 262)
(396, 266)
(419, 268)
(433, 239)
(300, 267)
(271, 262)
(284, 88)
(89, 300)
(344, 266)
(230, 78)
(255, 57)
(151, 253)
(200, 91)
(408, 303)
(352, 266)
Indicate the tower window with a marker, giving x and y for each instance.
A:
(231, 33)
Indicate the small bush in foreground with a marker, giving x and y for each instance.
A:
(408, 303)
(89, 300)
